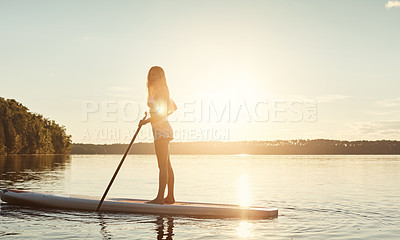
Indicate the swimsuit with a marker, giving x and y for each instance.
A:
(161, 128)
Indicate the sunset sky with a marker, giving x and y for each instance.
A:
(284, 69)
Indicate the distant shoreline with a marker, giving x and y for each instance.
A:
(206, 154)
(277, 147)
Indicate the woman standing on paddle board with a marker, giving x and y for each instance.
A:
(161, 105)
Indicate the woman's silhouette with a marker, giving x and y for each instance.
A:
(161, 105)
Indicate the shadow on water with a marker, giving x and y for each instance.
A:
(15, 169)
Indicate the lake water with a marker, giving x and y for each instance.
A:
(318, 197)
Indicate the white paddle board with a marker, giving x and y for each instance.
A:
(134, 205)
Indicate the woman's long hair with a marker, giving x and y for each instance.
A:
(155, 79)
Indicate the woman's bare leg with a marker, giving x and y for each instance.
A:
(171, 179)
(161, 147)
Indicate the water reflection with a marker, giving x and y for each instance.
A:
(22, 168)
(244, 192)
(103, 230)
(164, 227)
(244, 229)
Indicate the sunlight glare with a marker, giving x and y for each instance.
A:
(244, 194)
(244, 229)
(160, 110)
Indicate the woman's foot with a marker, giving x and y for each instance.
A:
(169, 200)
(156, 201)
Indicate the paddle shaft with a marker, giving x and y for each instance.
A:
(119, 166)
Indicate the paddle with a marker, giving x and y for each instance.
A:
(120, 164)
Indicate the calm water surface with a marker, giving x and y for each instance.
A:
(318, 197)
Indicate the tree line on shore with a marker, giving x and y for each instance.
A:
(23, 132)
(277, 147)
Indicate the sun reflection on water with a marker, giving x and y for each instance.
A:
(244, 229)
(244, 193)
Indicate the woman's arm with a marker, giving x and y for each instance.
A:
(173, 107)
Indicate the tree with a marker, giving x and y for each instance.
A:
(2, 139)
(29, 133)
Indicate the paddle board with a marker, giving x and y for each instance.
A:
(126, 205)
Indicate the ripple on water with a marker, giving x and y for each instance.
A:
(318, 197)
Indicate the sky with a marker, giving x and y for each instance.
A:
(237, 70)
